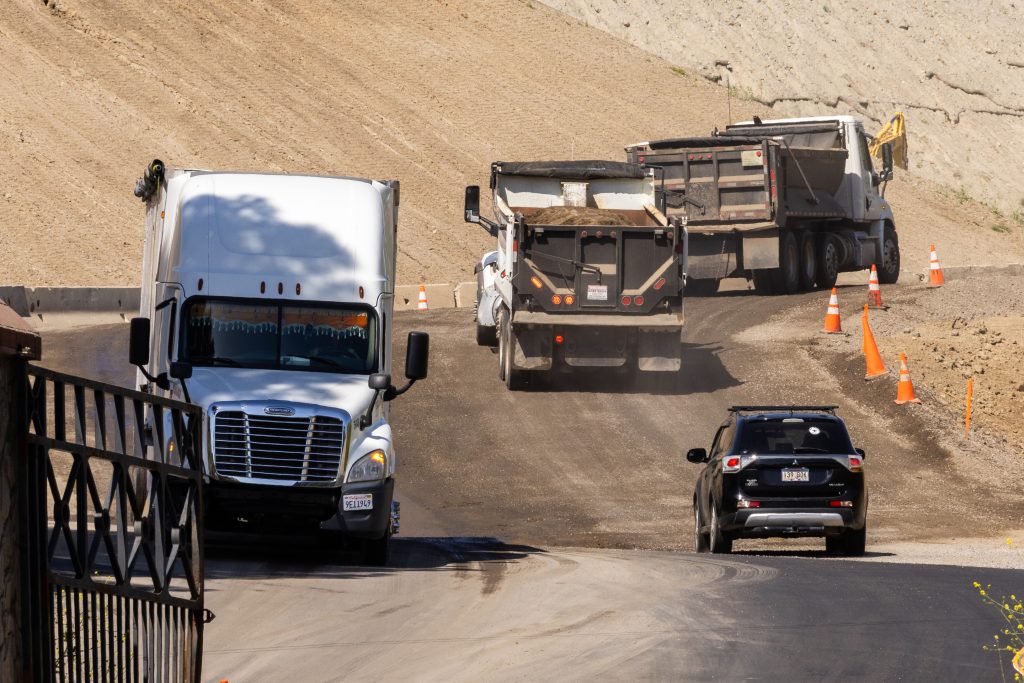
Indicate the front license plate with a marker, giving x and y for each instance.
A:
(597, 292)
(802, 474)
(357, 501)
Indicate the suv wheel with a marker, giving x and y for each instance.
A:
(720, 544)
(700, 541)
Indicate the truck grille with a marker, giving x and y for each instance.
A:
(300, 449)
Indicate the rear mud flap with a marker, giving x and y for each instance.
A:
(658, 351)
(532, 349)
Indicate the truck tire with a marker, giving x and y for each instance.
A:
(889, 269)
(764, 281)
(828, 262)
(808, 261)
(788, 275)
(485, 336)
(377, 551)
(503, 330)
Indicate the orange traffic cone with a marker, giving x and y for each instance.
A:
(873, 359)
(422, 304)
(935, 278)
(832, 322)
(874, 291)
(905, 389)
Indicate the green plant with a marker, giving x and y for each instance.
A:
(678, 71)
(1010, 639)
(961, 195)
(1001, 227)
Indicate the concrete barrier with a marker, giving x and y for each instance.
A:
(1012, 269)
(465, 294)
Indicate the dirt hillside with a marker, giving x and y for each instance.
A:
(427, 92)
(956, 69)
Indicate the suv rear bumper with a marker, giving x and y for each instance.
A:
(792, 521)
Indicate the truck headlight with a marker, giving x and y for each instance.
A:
(370, 467)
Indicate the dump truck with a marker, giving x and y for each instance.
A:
(588, 271)
(787, 203)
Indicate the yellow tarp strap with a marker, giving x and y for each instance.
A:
(895, 133)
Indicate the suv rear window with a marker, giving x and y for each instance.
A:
(793, 435)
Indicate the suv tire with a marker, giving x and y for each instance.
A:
(700, 540)
(720, 544)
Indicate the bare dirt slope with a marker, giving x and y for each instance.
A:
(429, 93)
(956, 69)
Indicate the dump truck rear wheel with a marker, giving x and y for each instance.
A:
(503, 342)
(828, 262)
(808, 261)
(789, 264)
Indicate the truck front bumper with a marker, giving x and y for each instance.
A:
(287, 507)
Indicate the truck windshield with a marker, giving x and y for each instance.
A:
(794, 435)
(279, 335)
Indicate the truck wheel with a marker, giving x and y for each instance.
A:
(789, 264)
(889, 270)
(808, 261)
(828, 262)
(377, 551)
(503, 342)
(485, 336)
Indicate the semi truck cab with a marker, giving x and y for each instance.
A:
(268, 301)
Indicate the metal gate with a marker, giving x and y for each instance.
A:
(113, 587)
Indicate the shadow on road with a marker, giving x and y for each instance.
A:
(813, 554)
(253, 556)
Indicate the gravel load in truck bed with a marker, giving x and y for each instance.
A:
(578, 215)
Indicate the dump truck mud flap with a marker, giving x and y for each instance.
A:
(658, 350)
(531, 348)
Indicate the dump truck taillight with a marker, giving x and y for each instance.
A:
(627, 300)
(660, 283)
(536, 282)
(569, 299)
(556, 300)
(639, 301)
(559, 339)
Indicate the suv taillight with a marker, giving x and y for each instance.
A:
(734, 463)
(856, 463)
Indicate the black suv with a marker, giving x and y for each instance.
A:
(780, 471)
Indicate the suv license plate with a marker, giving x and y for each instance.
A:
(801, 474)
(357, 501)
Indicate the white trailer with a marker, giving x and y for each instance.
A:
(267, 300)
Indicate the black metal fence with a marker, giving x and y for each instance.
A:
(113, 582)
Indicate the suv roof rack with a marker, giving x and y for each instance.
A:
(831, 410)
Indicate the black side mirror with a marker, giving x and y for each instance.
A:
(697, 455)
(860, 452)
(472, 208)
(417, 354)
(138, 342)
(180, 370)
(379, 381)
(886, 162)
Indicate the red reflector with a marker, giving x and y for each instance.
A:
(639, 301)
(758, 152)
(748, 504)
(642, 159)
(600, 233)
(836, 503)
(559, 339)
(660, 283)
(515, 246)
(679, 247)
(627, 300)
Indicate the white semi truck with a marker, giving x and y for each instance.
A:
(267, 300)
(788, 203)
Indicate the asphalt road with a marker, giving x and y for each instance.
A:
(520, 513)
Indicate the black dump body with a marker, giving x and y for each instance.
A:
(757, 175)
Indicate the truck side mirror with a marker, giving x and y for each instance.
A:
(138, 342)
(886, 162)
(180, 370)
(697, 455)
(379, 381)
(472, 208)
(417, 353)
